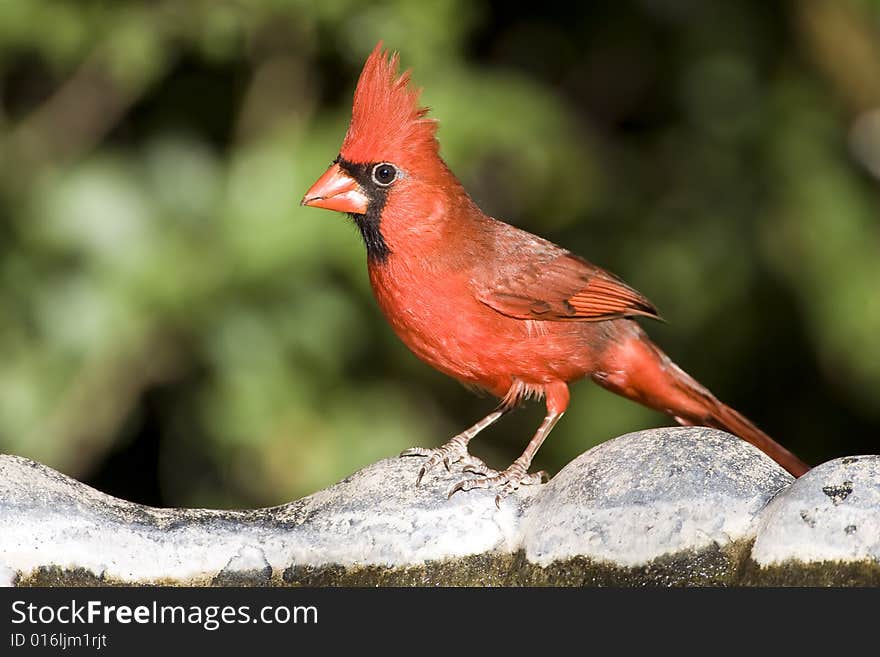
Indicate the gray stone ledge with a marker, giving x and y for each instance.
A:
(826, 524)
(671, 506)
(651, 494)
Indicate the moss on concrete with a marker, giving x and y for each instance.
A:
(826, 573)
(714, 566)
(493, 569)
(82, 577)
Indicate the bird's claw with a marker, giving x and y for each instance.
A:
(455, 451)
(505, 481)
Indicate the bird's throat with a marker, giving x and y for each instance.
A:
(368, 224)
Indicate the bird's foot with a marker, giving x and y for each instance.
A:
(505, 481)
(455, 451)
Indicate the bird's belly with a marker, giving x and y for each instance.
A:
(460, 336)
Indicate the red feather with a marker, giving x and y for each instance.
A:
(386, 117)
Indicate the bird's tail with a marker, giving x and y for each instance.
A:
(639, 370)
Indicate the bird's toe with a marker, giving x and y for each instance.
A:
(452, 452)
(505, 482)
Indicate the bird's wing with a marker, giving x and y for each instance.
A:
(564, 287)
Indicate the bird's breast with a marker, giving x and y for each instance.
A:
(435, 312)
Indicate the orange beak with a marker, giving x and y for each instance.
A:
(336, 190)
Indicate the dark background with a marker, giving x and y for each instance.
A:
(176, 330)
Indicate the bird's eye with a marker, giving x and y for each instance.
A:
(384, 174)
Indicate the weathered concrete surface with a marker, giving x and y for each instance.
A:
(628, 503)
(825, 528)
(374, 518)
(677, 506)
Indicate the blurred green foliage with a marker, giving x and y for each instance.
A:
(175, 329)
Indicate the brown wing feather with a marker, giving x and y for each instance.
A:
(565, 287)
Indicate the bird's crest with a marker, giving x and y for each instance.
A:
(387, 122)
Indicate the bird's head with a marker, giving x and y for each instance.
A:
(389, 162)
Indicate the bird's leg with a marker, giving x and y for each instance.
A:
(517, 474)
(455, 450)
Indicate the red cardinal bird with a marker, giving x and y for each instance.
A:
(487, 303)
